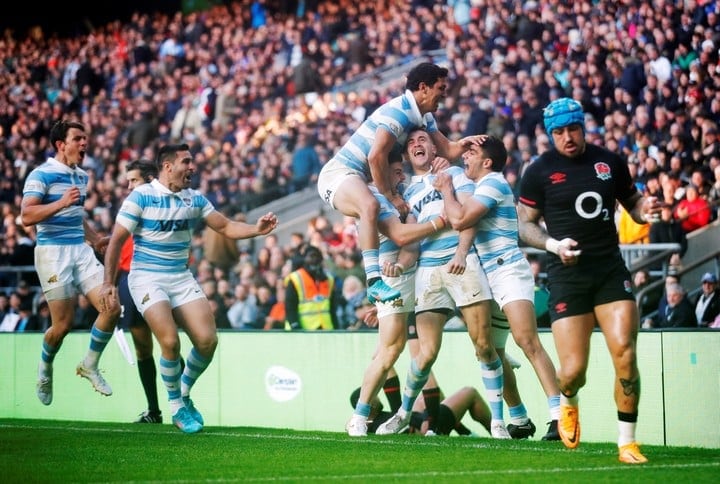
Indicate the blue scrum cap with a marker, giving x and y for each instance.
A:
(563, 112)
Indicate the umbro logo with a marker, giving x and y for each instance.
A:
(558, 177)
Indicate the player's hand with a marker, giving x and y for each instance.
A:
(70, 197)
(457, 264)
(439, 164)
(400, 205)
(442, 181)
(266, 223)
(108, 297)
(651, 209)
(370, 318)
(392, 269)
(569, 252)
(473, 140)
(101, 245)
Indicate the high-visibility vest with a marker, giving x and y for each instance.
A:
(313, 300)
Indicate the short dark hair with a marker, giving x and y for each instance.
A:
(148, 170)
(60, 129)
(168, 152)
(426, 72)
(494, 148)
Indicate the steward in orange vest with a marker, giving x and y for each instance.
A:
(310, 297)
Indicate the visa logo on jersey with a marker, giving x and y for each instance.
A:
(173, 225)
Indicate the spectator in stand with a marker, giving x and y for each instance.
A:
(11, 314)
(678, 311)
(4, 304)
(649, 302)
(305, 162)
(243, 312)
(353, 293)
(707, 303)
(265, 297)
(692, 212)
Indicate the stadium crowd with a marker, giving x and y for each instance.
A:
(263, 93)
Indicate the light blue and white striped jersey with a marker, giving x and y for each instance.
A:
(388, 249)
(48, 182)
(399, 116)
(497, 231)
(162, 223)
(426, 203)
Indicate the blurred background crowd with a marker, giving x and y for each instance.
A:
(265, 91)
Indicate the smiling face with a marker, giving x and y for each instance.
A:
(420, 151)
(475, 163)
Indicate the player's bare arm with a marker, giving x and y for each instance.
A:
(641, 208)
(535, 236)
(33, 211)
(459, 215)
(108, 292)
(240, 230)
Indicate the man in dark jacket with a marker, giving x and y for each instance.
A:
(679, 312)
(707, 304)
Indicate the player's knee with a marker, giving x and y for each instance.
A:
(143, 350)
(206, 347)
(369, 209)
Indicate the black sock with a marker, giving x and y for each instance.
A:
(461, 429)
(432, 405)
(148, 378)
(392, 393)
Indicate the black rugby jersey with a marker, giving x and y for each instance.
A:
(577, 196)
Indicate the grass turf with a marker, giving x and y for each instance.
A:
(65, 451)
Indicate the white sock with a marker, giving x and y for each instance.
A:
(175, 405)
(626, 432)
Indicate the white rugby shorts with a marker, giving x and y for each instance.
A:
(331, 176)
(178, 288)
(64, 270)
(405, 283)
(436, 288)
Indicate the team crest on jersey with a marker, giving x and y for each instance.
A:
(602, 170)
(187, 201)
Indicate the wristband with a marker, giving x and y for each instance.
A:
(435, 227)
(552, 245)
(444, 221)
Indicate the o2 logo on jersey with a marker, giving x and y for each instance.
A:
(589, 205)
(602, 170)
